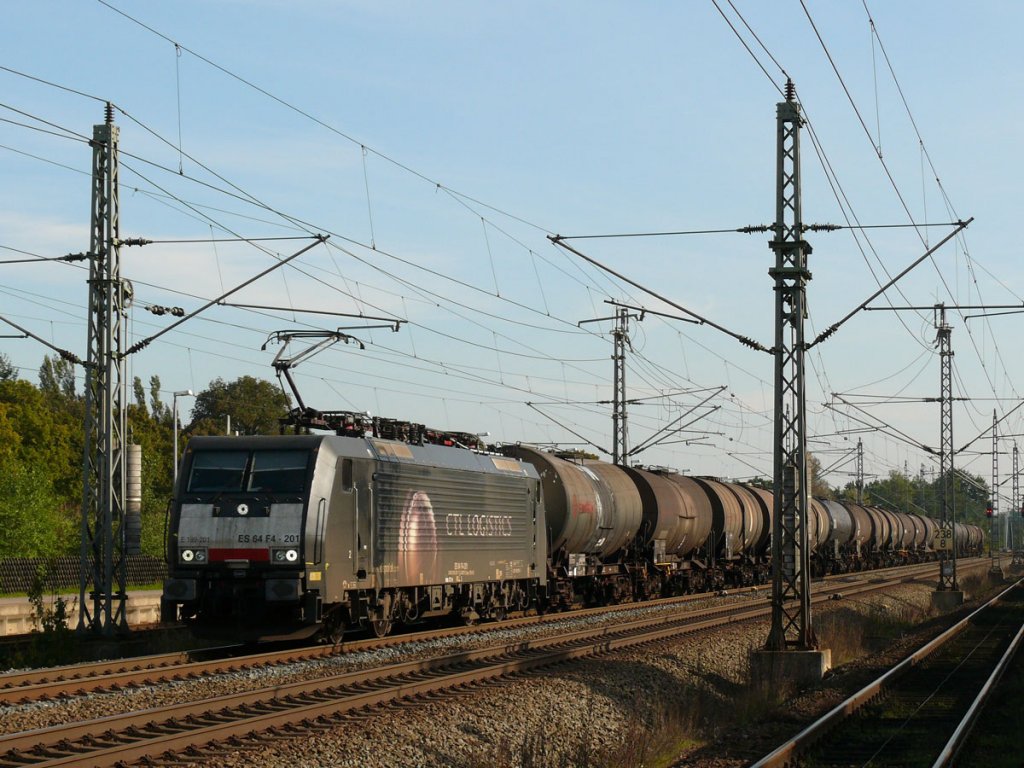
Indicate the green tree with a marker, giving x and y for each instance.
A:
(7, 370)
(254, 405)
(139, 393)
(762, 482)
(819, 487)
(922, 494)
(49, 428)
(33, 520)
(57, 377)
(156, 438)
(159, 409)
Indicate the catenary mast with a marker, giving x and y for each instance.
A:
(102, 596)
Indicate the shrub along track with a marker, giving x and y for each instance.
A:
(205, 727)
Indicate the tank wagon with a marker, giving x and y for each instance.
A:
(290, 536)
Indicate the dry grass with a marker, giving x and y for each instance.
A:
(855, 631)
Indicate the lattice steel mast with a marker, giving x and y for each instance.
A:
(995, 482)
(103, 574)
(947, 522)
(620, 340)
(1016, 512)
(620, 430)
(791, 604)
(860, 471)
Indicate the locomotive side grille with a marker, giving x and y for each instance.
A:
(454, 511)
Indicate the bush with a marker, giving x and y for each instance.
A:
(33, 521)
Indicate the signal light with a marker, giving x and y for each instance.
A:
(988, 509)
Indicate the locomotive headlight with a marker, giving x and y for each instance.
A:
(197, 556)
(285, 555)
(279, 555)
(291, 555)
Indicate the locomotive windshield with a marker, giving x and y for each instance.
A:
(278, 471)
(248, 472)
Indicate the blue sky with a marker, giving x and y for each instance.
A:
(454, 137)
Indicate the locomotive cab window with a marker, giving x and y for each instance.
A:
(278, 472)
(217, 471)
(271, 472)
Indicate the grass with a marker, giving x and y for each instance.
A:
(851, 634)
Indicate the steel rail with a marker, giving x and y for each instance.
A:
(17, 687)
(786, 753)
(193, 723)
(11, 681)
(956, 741)
(33, 685)
(17, 749)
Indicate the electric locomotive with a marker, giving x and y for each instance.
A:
(283, 537)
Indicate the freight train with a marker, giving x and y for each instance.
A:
(295, 535)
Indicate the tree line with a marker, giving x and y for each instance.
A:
(42, 439)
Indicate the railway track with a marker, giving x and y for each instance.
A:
(203, 727)
(906, 716)
(31, 685)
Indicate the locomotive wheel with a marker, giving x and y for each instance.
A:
(381, 627)
(333, 631)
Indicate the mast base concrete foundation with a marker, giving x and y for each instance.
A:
(946, 600)
(796, 668)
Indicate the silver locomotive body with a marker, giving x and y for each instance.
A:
(273, 537)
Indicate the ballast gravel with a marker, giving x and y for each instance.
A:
(621, 709)
(42, 714)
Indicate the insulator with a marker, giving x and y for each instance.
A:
(790, 90)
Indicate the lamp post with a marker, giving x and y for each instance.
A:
(176, 395)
